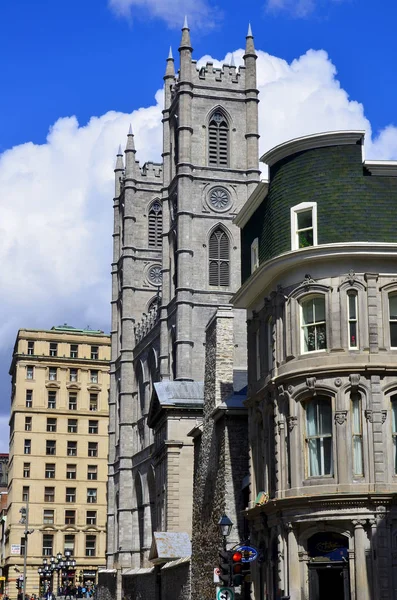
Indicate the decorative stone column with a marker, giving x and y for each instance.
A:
(362, 590)
(293, 564)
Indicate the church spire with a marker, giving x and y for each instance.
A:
(170, 68)
(130, 154)
(119, 160)
(249, 44)
(118, 171)
(185, 52)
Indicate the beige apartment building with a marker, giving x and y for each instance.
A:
(58, 458)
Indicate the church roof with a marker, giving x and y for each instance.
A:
(175, 394)
(169, 545)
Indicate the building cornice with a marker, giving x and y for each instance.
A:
(385, 168)
(309, 142)
(253, 202)
(271, 270)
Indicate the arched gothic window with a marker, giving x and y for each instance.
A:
(218, 140)
(155, 225)
(219, 258)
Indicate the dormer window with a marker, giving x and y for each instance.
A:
(303, 225)
(218, 140)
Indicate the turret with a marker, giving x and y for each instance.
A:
(185, 51)
(251, 100)
(118, 171)
(130, 163)
(250, 61)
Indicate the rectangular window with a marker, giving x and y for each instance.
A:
(313, 325)
(90, 545)
(254, 255)
(93, 376)
(52, 400)
(49, 494)
(72, 401)
(25, 493)
(22, 547)
(50, 471)
(92, 448)
(51, 425)
(73, 375)
(26, 470)
(352, 316)
(357, 434)
(69, 544)
(53, 349)
(70, 494)
(394, 429)
(28, 423)
(48, 543)
(74, 351)
(50, 447)
(70, 517)
(258, 353)
(93, 402)
(29, 399)
(393, 320)
(48, 517)
(52, 373)
(27, 447)
(71, 471)
(93, 427)
(90, 517)
(72, 449)
(30, 348)
(29, 372)
(72, 425)
(92, 472)
(94, 352)
(91, 495)
(303, 225)
(319, 437)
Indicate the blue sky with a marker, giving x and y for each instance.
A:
(74, 74)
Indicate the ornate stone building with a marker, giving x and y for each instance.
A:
(176, 259)
(320, 284)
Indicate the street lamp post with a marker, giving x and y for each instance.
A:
(59, 564)
(225, 526)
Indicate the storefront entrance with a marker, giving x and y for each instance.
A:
(328, 567)
(329, 582)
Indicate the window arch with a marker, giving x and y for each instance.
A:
(155, 225)
(219, 258)
(218, 139)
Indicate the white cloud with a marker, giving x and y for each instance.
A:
(171, 11)
(296, 8)
(56, 198)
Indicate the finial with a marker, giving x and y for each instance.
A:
(185, 25)
(249, 34)
(170, 57)
(130, 142)
(119, 153)
(249, 44)
(130, 130)
(119, 160)
(232, 63)
(185, 42)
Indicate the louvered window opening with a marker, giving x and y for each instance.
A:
(219, 259)
(218, 141)
(155, 225)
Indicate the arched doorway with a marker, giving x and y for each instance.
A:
(328, 566)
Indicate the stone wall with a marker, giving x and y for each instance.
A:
(221, 459)
(175, 582)
(142, 587)
(106, 588)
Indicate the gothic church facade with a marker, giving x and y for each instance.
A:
(176, 260)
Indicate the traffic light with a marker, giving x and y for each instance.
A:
(237, 568)
(225, 566)
(17, 584)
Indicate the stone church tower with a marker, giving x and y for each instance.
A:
(176, 259)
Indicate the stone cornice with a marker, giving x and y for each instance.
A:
(386, 168)
(310, 142)
(272, 269)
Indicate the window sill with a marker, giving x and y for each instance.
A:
(319, 480)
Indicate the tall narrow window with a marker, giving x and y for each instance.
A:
(254, 255)
(218, 140)
(394, 430)
(352, 316)
(219, 258)
(357, 434)
(393, 320)
(30, 348)
(303, 225)
(53, 349)
(155, 225)
(313, 328)
(29, 399)
(48, 543)
(269, 343)
(258, 352)
(319, 437)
